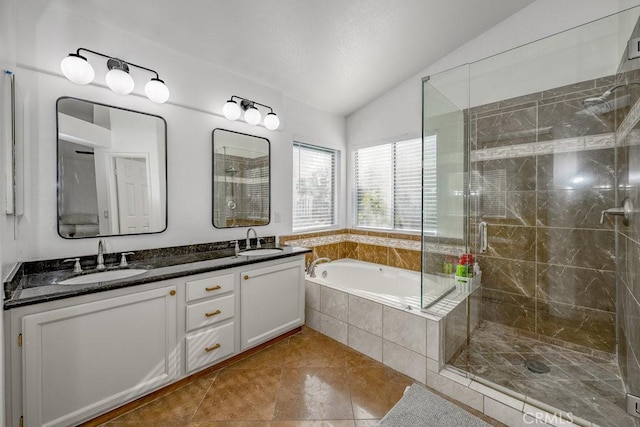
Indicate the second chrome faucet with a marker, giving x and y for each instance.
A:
(248, 242)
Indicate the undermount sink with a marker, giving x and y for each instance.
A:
(103, 276)
(258, 252)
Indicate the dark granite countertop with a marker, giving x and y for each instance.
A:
(36, 282)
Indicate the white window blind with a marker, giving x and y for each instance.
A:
(389, 185)
(314, 187)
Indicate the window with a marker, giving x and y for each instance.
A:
(314, 187)
(389, 189)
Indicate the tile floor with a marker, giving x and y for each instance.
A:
(585, 385)
(306, 380)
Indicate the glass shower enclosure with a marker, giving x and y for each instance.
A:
(523, 152)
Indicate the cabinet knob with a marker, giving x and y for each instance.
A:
(214, 313)
(172, 292)
(213, 347)
(214, 288)
(246, 277)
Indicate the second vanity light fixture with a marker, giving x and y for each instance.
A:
(76, 68)
(232, 111)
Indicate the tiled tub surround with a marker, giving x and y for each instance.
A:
(396, 337)
(549, 268)
(394, 249)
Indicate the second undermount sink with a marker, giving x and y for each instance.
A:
(258, 252)
(103, 276)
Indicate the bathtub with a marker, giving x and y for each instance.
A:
(375, 309)
(391, 286)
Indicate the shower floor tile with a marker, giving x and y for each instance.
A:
(588, 386)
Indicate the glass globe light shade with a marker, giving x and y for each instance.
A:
(77, 69)
(119, 81)
(252, 116)
(271, 121)
(231, 110)
(156, 91)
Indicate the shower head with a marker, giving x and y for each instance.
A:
(596, 106)
(598, 102)
(601, 104)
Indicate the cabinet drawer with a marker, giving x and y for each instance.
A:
(208, 287)
(204, 348)
(210, 312)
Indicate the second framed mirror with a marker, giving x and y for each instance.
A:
(241, 179)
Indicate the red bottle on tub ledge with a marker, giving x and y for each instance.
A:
(465, 265)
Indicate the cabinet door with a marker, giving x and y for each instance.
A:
(82, 360)
(272, 302)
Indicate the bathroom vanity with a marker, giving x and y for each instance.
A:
(78, 351)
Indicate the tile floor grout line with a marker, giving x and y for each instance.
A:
(204, 395)
(275, 406)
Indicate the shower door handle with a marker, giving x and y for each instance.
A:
(482, 231)
(624, 211)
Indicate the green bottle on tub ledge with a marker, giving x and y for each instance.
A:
(466, 270)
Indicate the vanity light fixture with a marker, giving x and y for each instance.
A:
(252, 115)
(76, 68)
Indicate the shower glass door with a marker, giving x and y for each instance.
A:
(444, 203)
(551, 145)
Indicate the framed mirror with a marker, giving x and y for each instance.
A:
(241, 179)
(112, 170)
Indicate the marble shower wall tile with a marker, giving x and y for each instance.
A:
(509, 309)
(574, 208)
(577, 286)
(511, 276)
(512, 242)
(521, 172)
(520, 208)
(577, 247)
(587, 327)
(506, 128)
(576, 170)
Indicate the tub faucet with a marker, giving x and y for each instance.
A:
(249, 240)
(100, 260)
(311, 270)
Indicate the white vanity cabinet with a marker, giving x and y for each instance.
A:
(272, 301)
(73, 359)
(87, 358)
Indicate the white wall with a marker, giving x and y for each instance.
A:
(398, 112)
(8, 246)
(47, 33)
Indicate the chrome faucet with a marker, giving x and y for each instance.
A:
(101, 246)
(249, 240)
(311, 270)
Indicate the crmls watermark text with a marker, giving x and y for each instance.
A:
(547, 418)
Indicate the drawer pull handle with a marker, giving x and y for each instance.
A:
(215, 288)
(213, 313)
(246, 277)
(208, 349)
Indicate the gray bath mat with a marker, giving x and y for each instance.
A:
(420, 407)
